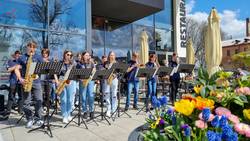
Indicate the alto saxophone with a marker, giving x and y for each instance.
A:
(28, 77)
(62, 86)
(64, 82)
(85, 82)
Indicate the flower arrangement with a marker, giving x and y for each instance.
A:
(218, 109)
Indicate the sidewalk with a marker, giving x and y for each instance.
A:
(119, 130)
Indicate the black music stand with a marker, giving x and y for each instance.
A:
(48, 68)
(162, 72)
(102, 75)
(120, 69)
(186, 69)
(148, 73)
(77, 74)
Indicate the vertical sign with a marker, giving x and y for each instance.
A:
(183, 24)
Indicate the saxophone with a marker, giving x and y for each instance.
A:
(85, 82)
(64, 82)
(28, 77)
(111, 77)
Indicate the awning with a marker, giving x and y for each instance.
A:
(125, 11)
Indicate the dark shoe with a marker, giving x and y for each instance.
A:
(126, 109)
(91, 115)
(147, 110)
(85, 115)
(135, 107)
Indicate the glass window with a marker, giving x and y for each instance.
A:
(68, 16)
(163, 39)
(23, 13)
(163, 19)
(59, 42)
(98, 43)
(137, 30)
(12, 40)
(120, 41)
(147, 21)
(228, 52)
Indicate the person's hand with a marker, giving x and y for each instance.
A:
(22, 81)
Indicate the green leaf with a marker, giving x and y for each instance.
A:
(203, 92)
(243, 98)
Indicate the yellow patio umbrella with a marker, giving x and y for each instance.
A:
(213, 47)
(144, 48)
(190, 52)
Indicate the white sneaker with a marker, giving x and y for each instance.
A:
(70, 118)
(65, 120)
(39, 123)
(108, 114)
(29, 124)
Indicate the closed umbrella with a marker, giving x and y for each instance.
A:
(190, 52)
(144, 48)
(213, 47)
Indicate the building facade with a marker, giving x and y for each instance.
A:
(94, 25)
(232, 47)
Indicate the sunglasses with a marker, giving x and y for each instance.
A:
(69, 55)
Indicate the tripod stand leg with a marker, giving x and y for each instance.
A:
(141, 110)
(20, 119)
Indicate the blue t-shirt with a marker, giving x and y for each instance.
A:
(131, 75)
(152, 65)
(23, 62)
(12, 78)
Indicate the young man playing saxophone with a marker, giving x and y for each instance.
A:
(31, 85)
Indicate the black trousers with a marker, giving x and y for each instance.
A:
(15, 88)
(174, 90)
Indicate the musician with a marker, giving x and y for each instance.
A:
(151, 82)
(15, 86)
(36, 90)
(46, 87)
(133, 82)
(111, 86)
(87, 90)
(174, 79)
(66, 96)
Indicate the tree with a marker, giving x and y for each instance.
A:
(196, 31)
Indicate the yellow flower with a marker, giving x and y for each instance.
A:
(198, 88)
(246, 113)
(158, 121)
(184, 106)
(153, 125)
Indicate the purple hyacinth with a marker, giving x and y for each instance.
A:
(163, 100)
(206, 114)
(187, 130)
(215, 121)
(211, 136)
(223, 121)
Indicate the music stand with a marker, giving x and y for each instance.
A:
(148, 73)
(102, 75)
(120, 69)
(48, 68)
(77, 74)
(186, 69)
(162, 72)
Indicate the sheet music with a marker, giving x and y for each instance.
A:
(174, 70)
(32, 67)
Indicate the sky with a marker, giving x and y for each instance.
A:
(233, 14)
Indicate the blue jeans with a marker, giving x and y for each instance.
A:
(111, 95)
(131, 85)
(87, 94)
(67, 99)
(151, 91)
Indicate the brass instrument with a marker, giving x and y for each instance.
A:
(85, 82)
(61, 86)
(111, 77)
(29, 77)
(64, 82)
